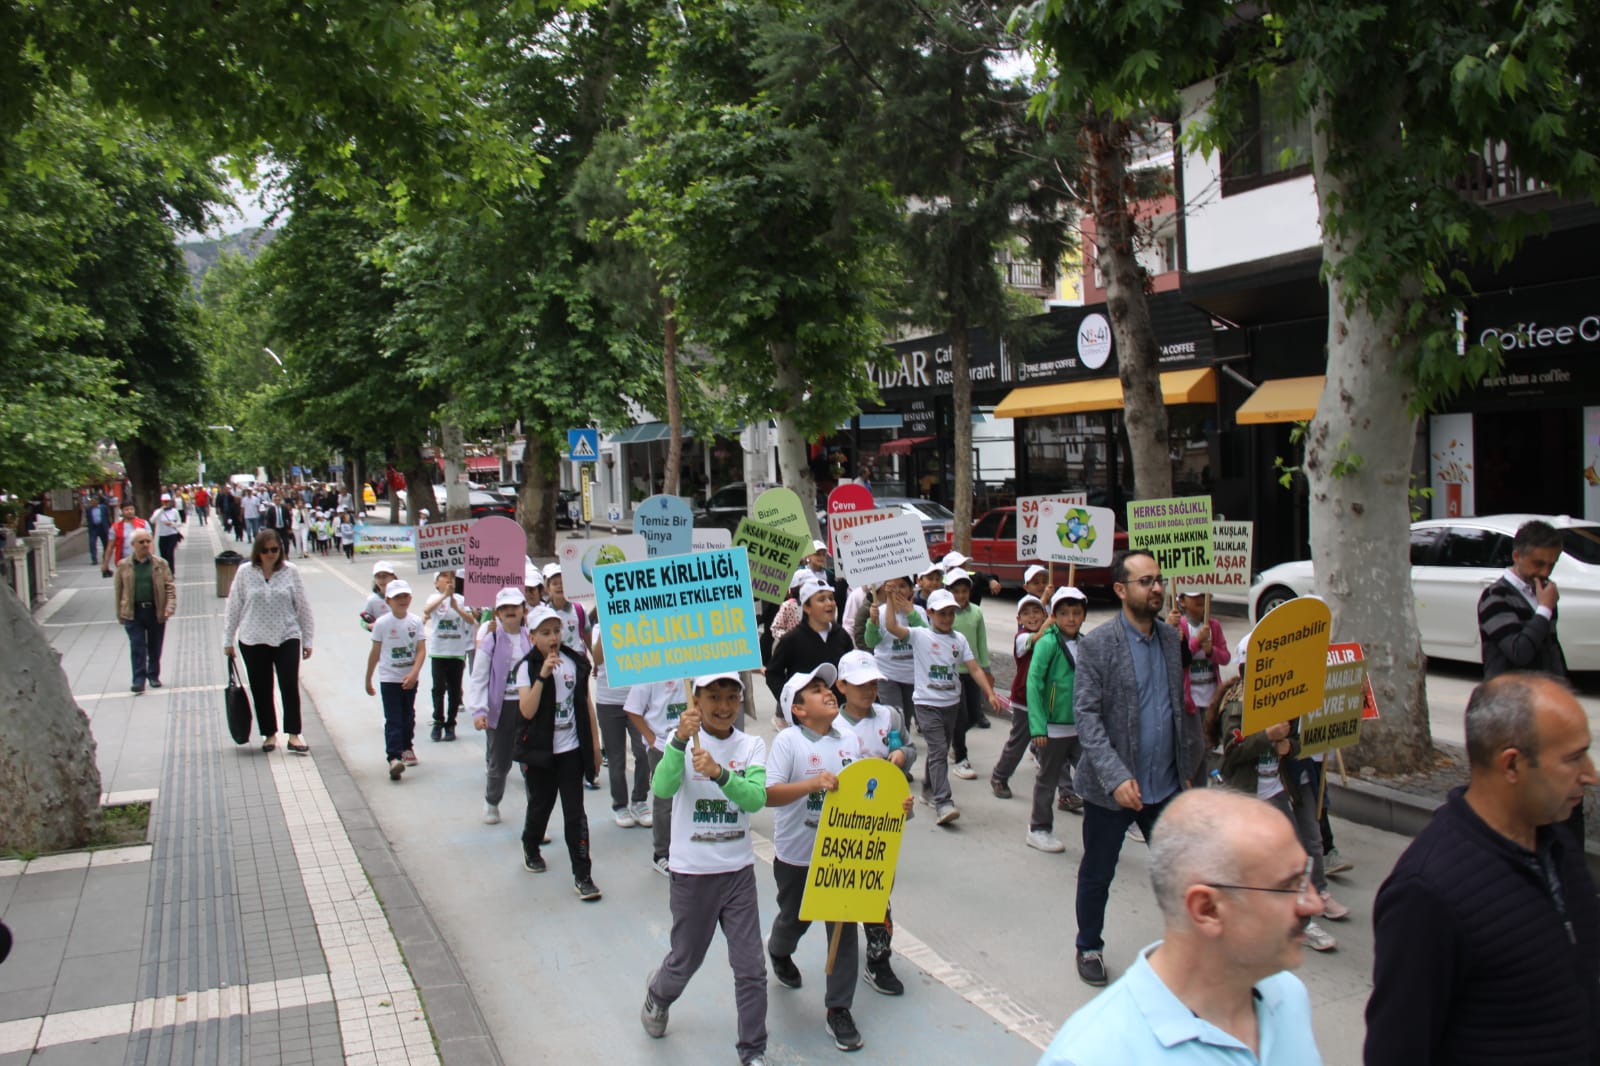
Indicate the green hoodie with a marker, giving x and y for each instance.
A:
(1050, 678)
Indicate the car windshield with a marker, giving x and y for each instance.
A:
(1582, 543)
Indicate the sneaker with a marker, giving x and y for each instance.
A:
(396, 768)
(1044, 840)
(653, 1016)
(981, 722)
(592, 786)
(1136, 834)
(624, 818)
(436, 734)
(491, 814)
(660, 866)
(137, 690)
(759, 1060)
(586, 889)
(964, 770)
(449, 733)
(1333, 910)
(643, 814)
(784, 969)
(1092, 968)
(882, 978)
(947, 813)
(842, 1027)
(534, 864)
(1318, 938)
(1334, 863)
(1000, 788)
(1070, 802)
(408, 757)
(155, 682)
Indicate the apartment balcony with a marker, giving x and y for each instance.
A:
(1494, 179)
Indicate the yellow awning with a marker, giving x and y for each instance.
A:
(1281, 400)
(1104, 394)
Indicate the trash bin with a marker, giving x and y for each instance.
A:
(228, 564)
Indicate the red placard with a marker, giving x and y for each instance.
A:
(847, 497)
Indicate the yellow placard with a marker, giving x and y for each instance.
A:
(858, 845)
(1286, 670)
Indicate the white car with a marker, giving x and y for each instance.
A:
(1452, 561)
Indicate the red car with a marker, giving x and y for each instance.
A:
(994, 551)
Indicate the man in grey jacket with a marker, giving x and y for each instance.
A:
(1138, 744)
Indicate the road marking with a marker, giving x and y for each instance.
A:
(163, 691)
(58, 601)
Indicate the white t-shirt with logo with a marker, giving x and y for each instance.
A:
(660, 704)
(893, 654)
(798, 754)
(565, 679)
(571, 634)
(938, 657)
(449, 635)
(871, 733)
(397, 639)
(710, 832)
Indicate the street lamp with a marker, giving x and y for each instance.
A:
(275, 358)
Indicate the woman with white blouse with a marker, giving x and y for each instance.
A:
(270, 619)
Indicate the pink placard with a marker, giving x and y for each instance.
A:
(845, 498)
(496, 558)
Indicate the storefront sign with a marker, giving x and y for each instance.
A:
(1073, 343)
(581, 558)
(859, 829)
(1076, 534)
(677, 616)
(925, 363)
(443, 545)
(919, 419)
(1450, 465)
(1591, 460)
(1028, 522)
(1286, 665)
(1177, 531)
(1231, 551)
(1337, 724)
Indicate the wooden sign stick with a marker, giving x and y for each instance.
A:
(833, 946)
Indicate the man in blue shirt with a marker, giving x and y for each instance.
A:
(1138, 744)
(1234, 889)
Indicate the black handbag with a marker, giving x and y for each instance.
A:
(236, 701)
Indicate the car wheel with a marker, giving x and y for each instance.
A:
(1274, 597)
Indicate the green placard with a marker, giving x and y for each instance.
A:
(1176, 531)
(774, 555)
(781, 508)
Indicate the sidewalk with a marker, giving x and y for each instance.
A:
(265, 919)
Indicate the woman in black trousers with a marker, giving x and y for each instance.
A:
(270, 619)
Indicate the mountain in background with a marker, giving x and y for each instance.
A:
(199, 256)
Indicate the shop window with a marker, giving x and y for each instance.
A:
(1273, 141)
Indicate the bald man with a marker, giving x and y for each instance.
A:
(1487, 947)
(1234, 887)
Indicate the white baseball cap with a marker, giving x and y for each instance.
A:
(932, 568)
(1068, 593)
(811, 588)
(551, 570)
(532, 577)
(396, 588)
(1244, 649)
(940, 599)
(383, 567)
(802, 576)
(540, 615)
(509, 598)
(954, 559)
(826, 673)
(859, 667)
(819, 546)
(707, 679)
(1034, 571)
(954, 574)
(1027, 601)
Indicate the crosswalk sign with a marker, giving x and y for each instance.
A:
(583, 445)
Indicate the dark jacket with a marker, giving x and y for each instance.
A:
(1514, 635)
(803, 649)
(1478, 961)
(538, 735)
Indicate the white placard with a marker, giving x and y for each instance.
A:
(880, 550)
(579, 558)
(1028, 523)
(711, 538)
(1076, 534)
(1231, 544)
(442, 546)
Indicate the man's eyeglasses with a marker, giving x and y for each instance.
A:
(1147, 582)
(1301, 890)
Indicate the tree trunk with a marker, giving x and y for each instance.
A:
(669, 371)
(358, 477)
(457, 505)
(418, 473)
(1358, 471)
(1138, 356)
(794, 461)
(144, 474)
(536, 498)
(48, 772)
(961, 458)
(394, 463)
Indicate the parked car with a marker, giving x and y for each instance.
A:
(724, 508)
(484, 503)
(994, 551)
(938, 521)
(1452, 561)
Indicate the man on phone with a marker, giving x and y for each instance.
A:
(1517, 614)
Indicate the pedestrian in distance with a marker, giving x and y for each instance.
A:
(576, 623)
(893, 654)
(97, 515)
(167, 521)
(1235, 894)
(715, 775)
(1207, 653)
(399, 648)
(269, 618)
(377, 604)
(1052, 730)
(1139, 746)
(491, 696)
(1036, 583)
(938, 651)
(1487, 931)
(969, 622)
(450, 630)
(558, 744)
(120, 543)
(146, 596)
(347, 535)
(1031, 618)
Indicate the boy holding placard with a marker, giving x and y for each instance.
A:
(805, 763)
(713, 788)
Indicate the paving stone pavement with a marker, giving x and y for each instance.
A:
(255, 927)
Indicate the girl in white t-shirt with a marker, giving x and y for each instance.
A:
(451, 627)
(399, 649)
